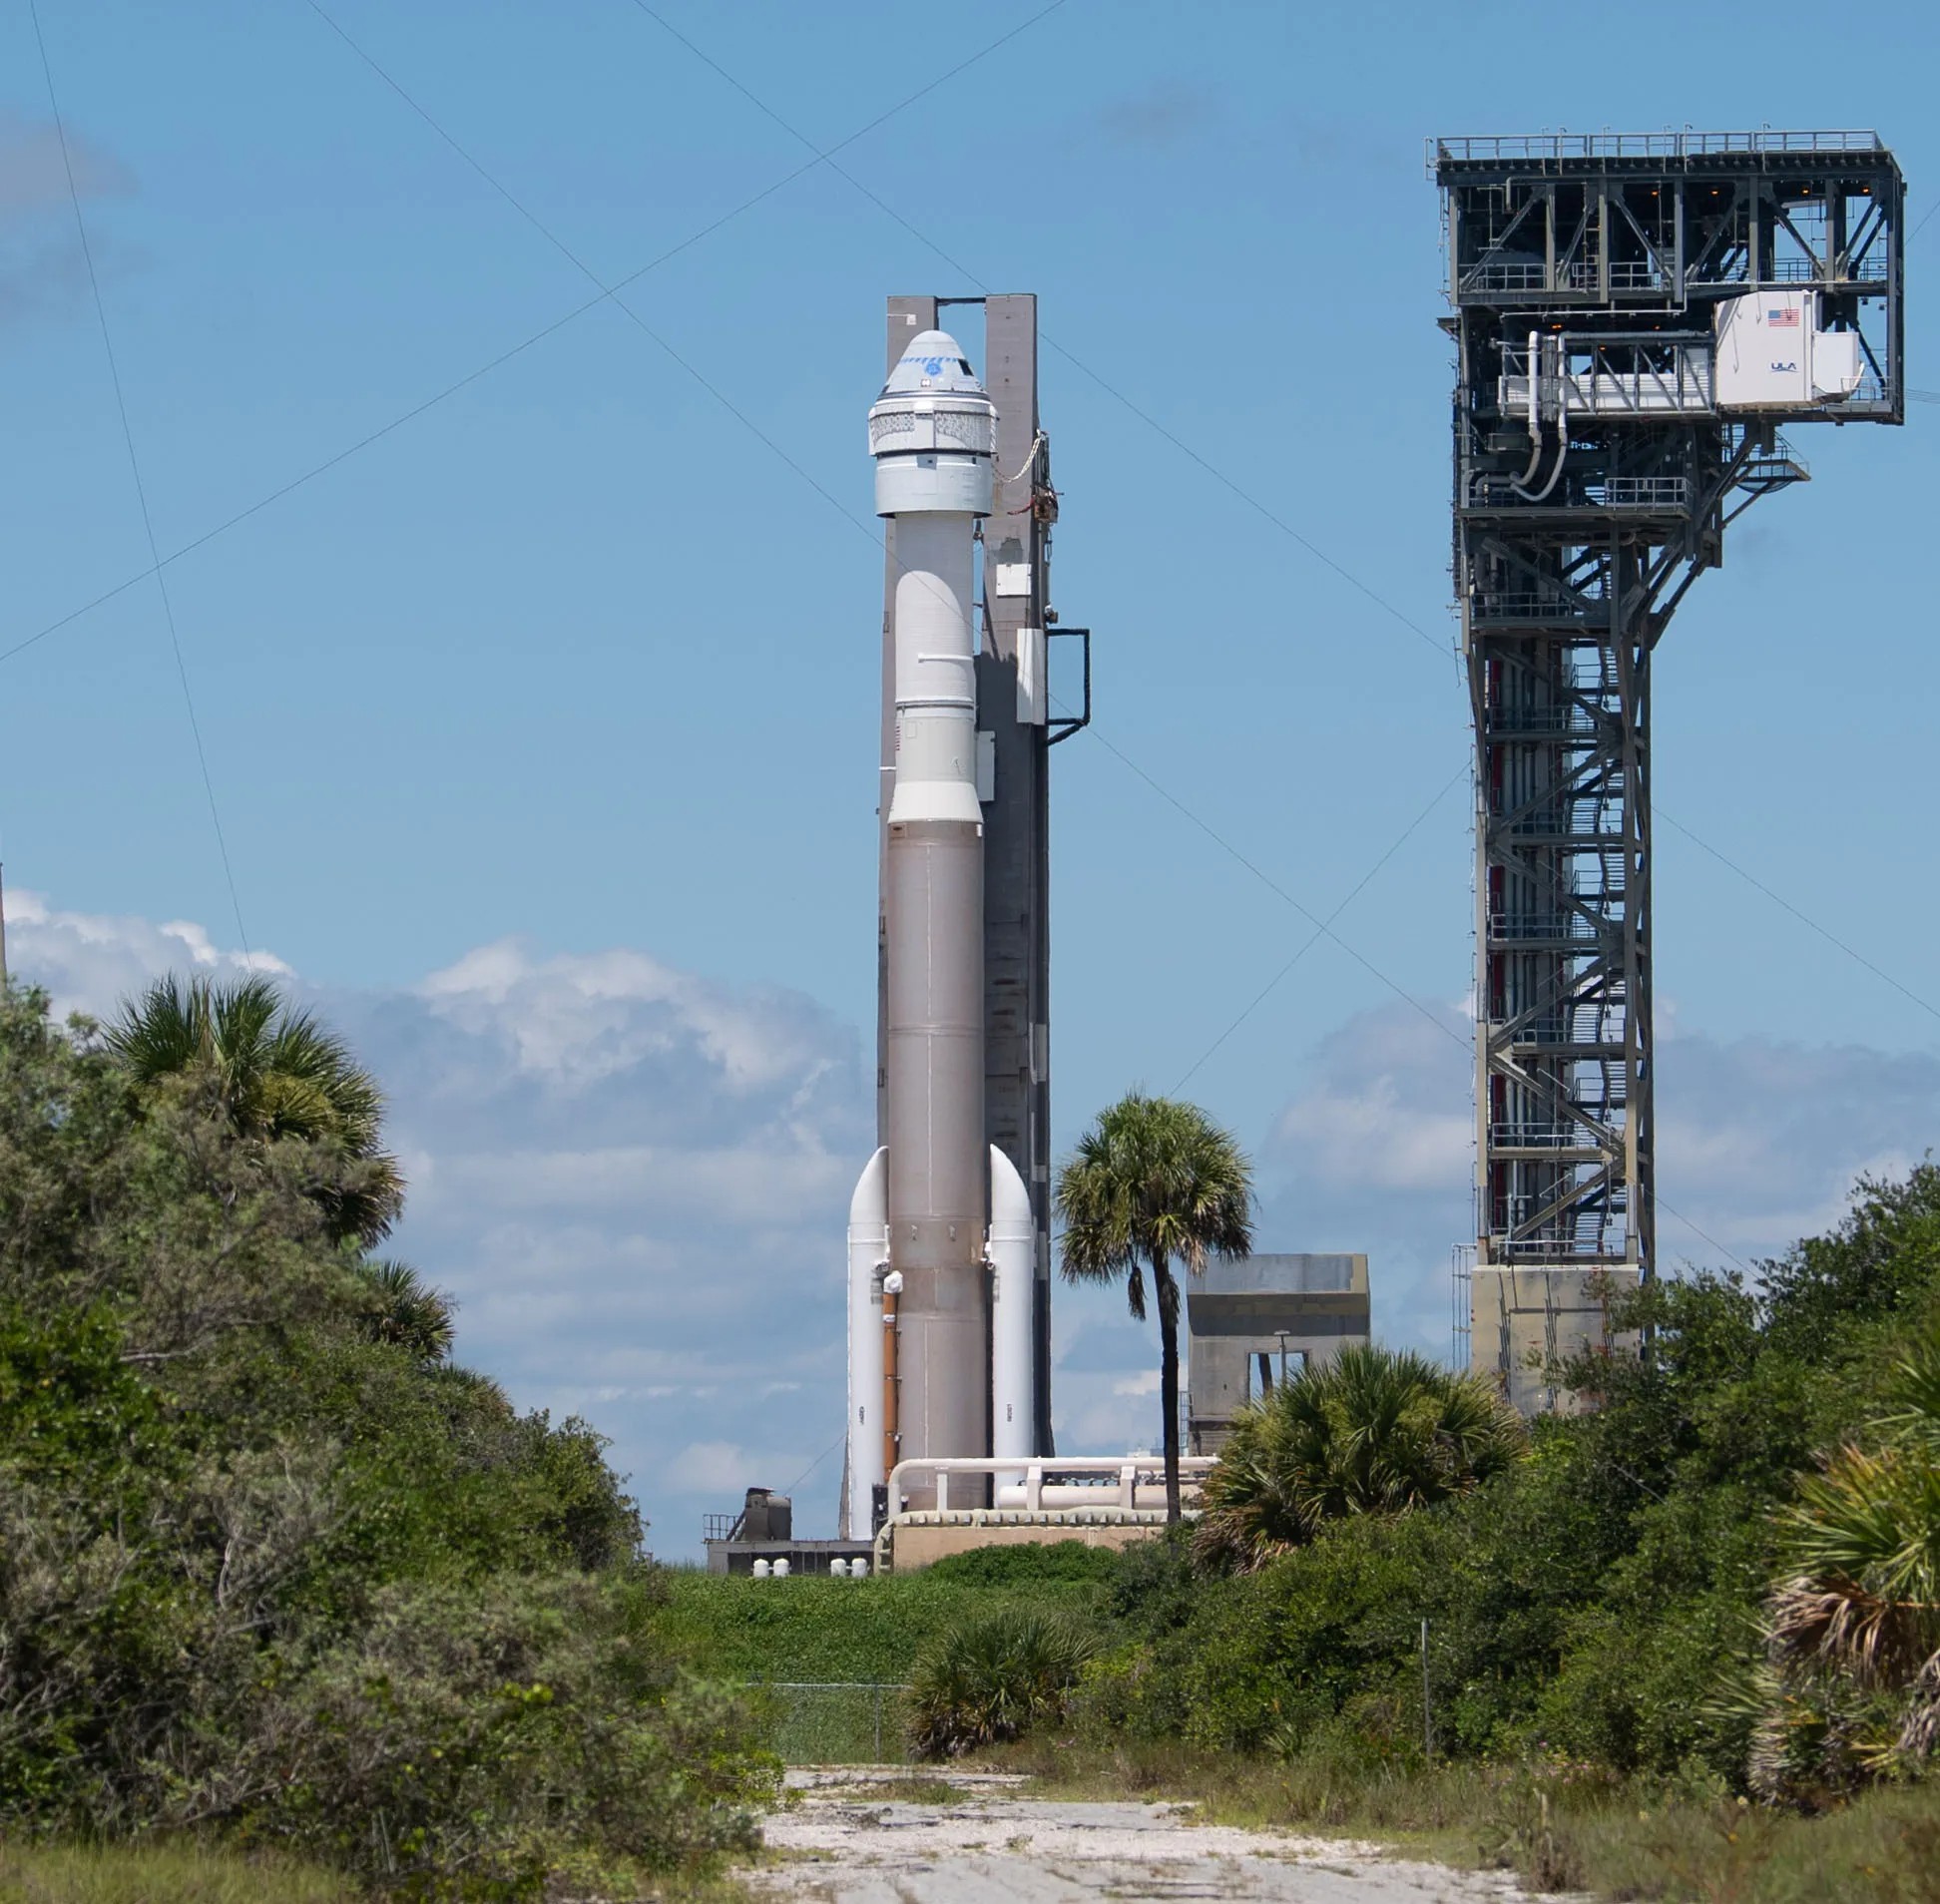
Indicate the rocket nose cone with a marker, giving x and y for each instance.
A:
(932, 361)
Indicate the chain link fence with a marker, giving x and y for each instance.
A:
(834, 1721)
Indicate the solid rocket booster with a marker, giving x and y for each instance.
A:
(933, 435)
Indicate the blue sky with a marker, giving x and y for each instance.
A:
(574, 657)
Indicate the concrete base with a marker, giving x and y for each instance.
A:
(1526, 1318)
(913, 1540)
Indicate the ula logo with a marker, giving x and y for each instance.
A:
(1783, 368)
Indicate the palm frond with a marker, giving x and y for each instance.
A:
(1374, 1431)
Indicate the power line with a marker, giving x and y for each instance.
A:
(135, 470)
(1314, 937)
(1805, 919)
(519, 349)
(817, 1463)
(929, 243)
(1218, 475)
(606, 290)
(874, 535)
(1322, 927)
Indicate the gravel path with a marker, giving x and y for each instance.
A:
(849, 1840)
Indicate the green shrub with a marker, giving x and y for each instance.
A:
(993, 1678)
(266, 1571)
(1028, 1565)
(1374, 1431)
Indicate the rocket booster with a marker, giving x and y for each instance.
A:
(921, 1210)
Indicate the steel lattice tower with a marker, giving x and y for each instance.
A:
(1634, 317)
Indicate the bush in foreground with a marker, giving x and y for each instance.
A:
(271, 1569)
(994, 1679)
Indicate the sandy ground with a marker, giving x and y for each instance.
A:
(848, 1841)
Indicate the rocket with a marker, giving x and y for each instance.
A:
(940, 1237)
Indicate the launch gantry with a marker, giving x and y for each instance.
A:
(1635, 315)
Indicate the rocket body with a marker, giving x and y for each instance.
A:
(933, 435)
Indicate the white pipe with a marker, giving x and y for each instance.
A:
(868, 1250)
(1013, 1304)
(1535, 412)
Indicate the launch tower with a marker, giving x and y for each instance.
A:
(1635, 316)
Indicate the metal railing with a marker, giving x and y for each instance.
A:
(1518, 605)
(1542, 1137)
(1657, 145)
(1619, 376)
(1568, 719)
(1130, 1483)
(1562, 928)
(1646, 492)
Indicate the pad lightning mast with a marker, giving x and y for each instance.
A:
(1636, 316)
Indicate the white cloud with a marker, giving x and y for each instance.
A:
(634, 1181)
(1758, 1143)
(90, 962)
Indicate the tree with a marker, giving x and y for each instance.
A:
(1858, 1594)
(1374, 1431)
(1153, 1181)
(276, 1073)
(406, 1311)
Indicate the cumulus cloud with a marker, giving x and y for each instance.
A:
(90, 962)
(633, 1179)
(1758, 1144)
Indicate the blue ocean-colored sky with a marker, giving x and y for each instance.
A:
(541, 722)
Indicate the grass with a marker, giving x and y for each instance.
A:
(1561, 1830)
(161, 1874)
(196, 1874)
(861, 1630)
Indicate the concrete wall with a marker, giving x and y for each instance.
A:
(1302, 1308)
(915, 1547)
(1524, 1319)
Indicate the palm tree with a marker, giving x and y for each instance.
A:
(1374, 1431)
(1153, 1181)
(277, 1072)
(1858, 1593)
(406, 1311)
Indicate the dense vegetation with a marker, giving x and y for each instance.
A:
(1684, 1646)
(1619, 1596)
(271, 1567)
(1609, 1599)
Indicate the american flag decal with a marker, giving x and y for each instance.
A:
(1785, 319)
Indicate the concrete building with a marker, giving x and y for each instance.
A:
(1257, 1321)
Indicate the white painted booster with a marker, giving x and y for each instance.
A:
(868, 1259)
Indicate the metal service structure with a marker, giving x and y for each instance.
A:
(949, 1233)
(1636, 317)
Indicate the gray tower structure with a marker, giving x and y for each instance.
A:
(1635, 318)
(1017, 728)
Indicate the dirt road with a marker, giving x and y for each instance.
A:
(857, 1838)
